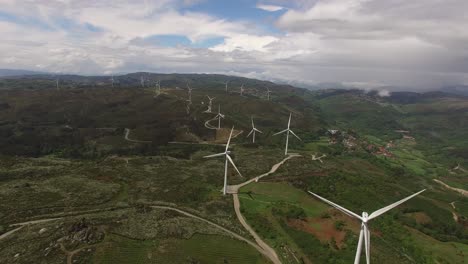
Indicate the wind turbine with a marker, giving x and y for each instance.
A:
(228, 158)
(158, 87)
(209, 104)
(142, 81)
(226, 85)
(219, 116)
(189, 93)
(112, 80)
(365, 218)
(254, 129)
(287, 130)
(268, 94)
(57, 84)
(242, 90)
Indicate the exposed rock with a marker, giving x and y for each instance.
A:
(42, 231)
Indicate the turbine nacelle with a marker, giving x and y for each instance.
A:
(365, 217)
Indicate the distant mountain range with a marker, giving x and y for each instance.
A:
(10, 72)
(457, 90)
(134, 79)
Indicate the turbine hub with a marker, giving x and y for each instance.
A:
(365, 216)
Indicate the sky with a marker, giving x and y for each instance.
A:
(420, 44)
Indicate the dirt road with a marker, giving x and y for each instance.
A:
(234, 189)
(127, 133)
(460, 191)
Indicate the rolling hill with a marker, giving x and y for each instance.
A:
(109, 166)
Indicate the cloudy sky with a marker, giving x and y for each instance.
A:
(420, 44)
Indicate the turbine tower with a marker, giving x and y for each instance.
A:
(268, 94)
(142, 81)
(365, 218)
(226, 85)
(242, 90)
(112, 80)
(209, 104)
(57, 84)
(219, 116)
(287, 130)
(189, 93)
(254, 129)
(158, 87)
(228, 159)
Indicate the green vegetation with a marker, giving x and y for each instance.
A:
(63, 154)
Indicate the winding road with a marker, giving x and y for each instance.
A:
(234, 189)
(460, 191)
(127, 133)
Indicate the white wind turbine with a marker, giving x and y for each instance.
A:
(268, 94)
(365, 218)
(219, 116)
(254, 129)
(112, 80)
(210, 103)
(158, 87)
(287, 130)
(228, 158)
(242, 90)
(189, 93)
(57, 83)
(226, 85)
(142, 81)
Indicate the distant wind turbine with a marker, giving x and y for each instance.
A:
(142, 81)
(226, 85)
(189, 89)
(254, 129)
(287, 130)
(228, 159)
(219, 116)
(112, 81)
(268, 94)
(209, 104)
(158, 87)
(57, 84)
(242, 90)
(365, 233)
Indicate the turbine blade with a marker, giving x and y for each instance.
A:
(389, 207)
(229, 140)
(215, 155)
(280, 132)
(252, 122)
(342, 209)
(289, 122)
(359, 246)
(367, 243)
(258, 130)
(234, 165)
(295, 135)
(251, 131)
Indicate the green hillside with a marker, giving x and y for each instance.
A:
(114, 164)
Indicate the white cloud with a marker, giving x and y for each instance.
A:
(245, 43)
(367, 42)
(270, 8)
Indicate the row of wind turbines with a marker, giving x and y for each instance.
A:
(364, 234)
(252, 132)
